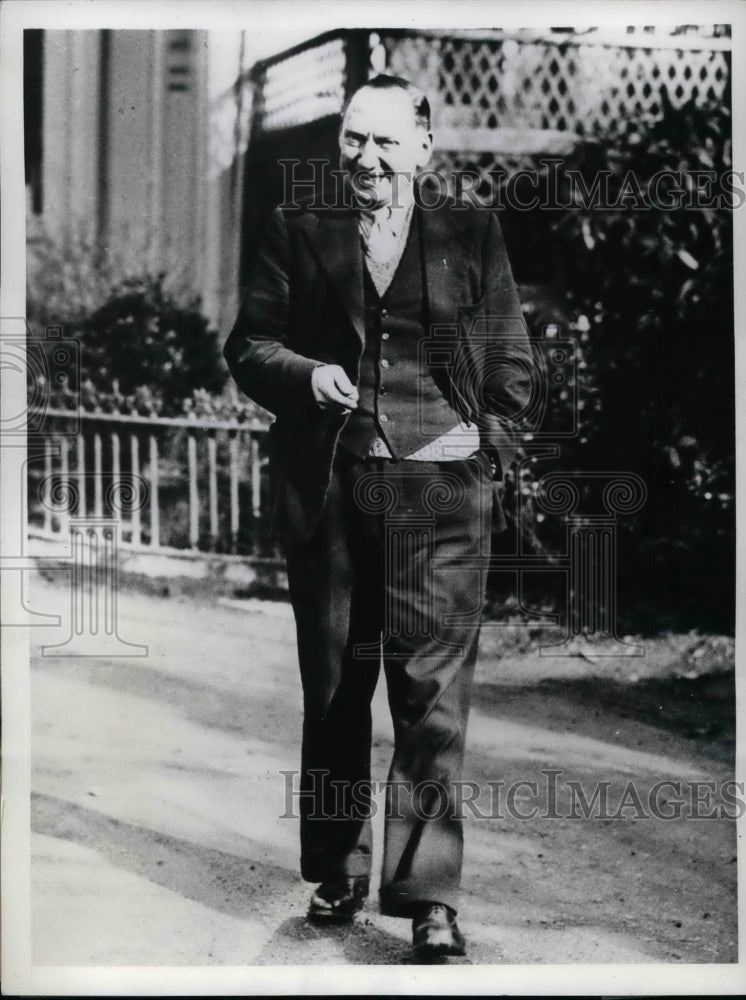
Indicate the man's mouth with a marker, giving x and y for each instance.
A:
(370, 179)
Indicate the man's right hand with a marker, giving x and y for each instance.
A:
(332, 388)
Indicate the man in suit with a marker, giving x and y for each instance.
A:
(386, 335)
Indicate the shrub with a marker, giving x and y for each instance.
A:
(141, 337)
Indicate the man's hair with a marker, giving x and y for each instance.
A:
(420, 103)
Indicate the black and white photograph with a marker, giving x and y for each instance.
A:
(368, 436)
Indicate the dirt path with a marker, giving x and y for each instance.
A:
(157, 794)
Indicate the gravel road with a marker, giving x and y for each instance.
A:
(157, 794)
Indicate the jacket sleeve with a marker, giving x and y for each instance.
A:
(257, 351)
(508, 375)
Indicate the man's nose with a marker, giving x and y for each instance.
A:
(368, 156)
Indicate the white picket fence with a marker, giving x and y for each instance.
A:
(171, 483)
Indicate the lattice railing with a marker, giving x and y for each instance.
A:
(304, 87)
(501, 99)
(489, 80)
(577, 86)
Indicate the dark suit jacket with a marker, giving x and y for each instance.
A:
(304, 305)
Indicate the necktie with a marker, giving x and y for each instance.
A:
(382, 239)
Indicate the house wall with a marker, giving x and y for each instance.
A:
(125, 146)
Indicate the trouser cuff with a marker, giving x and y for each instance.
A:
(318, 867)
(402, 899)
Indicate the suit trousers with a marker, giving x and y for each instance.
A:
(395, 573)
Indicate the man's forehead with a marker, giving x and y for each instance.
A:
(376, 110)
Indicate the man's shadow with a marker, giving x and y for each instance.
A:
(238, 886)
(360, 943)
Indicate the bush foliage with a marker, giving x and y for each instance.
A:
(648, 293)
(142, 349)
(141, 337)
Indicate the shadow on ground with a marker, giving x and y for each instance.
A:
(699, 709)
(231, 884)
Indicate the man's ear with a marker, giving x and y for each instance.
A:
(427, 151)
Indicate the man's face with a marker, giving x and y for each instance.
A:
(382, 147)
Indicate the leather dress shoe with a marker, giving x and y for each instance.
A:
(435, 932)
(340, 899)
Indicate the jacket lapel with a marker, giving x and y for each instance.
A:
(335, 242)
(336, 245)
(445, 257)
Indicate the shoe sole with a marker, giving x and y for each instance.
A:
(427, 951)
